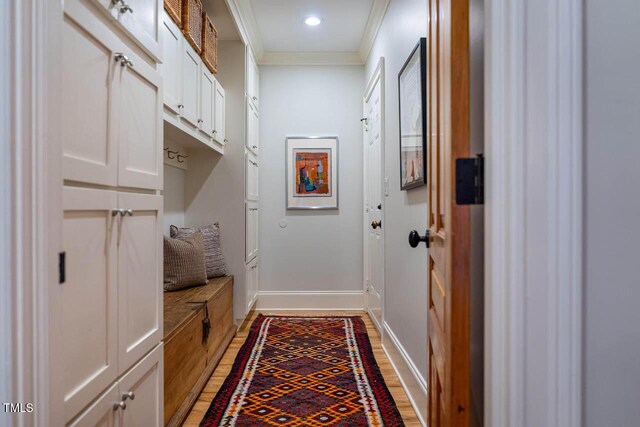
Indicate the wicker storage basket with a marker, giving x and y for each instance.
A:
(209, 44)
(174, 10)
(192, 23)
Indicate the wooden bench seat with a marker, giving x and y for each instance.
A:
(188, 359)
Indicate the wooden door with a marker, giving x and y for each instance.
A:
(449, 256)
(374, 247)
(140, 100)
(145, 384)
(87, 306)
(101, 413)
(140, 273)
(88, 108)
(219, 127)
(172, 64)
(207, 99)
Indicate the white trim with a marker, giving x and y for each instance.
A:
(242, 14)
(310, 58)
(533, 267)
(316, 300)
(376, 16)
(414, 384)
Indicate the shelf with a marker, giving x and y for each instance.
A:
(176, 130)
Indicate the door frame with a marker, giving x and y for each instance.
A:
(30, 188)
(377, 76)
(533, 142)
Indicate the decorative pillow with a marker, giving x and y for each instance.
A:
(184, 264)
(213, 257)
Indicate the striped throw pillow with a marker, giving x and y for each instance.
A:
(213, 256)
(184, 264)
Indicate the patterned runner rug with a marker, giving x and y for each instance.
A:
(304, 372)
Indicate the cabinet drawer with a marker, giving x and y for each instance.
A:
(185, 359)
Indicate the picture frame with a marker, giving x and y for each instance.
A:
(412, 106)
(311, 172)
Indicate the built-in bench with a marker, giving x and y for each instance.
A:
(190, 354)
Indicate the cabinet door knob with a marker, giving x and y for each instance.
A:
(128, 395)
(255, 146)
(115, 212)
(215, 131)
(255, 98)
(129, 212)
(199, 120)
(125, 8)
(180, 106)
(119, 405)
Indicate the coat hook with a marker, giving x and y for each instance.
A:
(171, 154)
(180, 157)
(166, 148)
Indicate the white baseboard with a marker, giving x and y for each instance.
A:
(413, 382)
(318, 300)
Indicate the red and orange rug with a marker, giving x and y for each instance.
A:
(304, 372)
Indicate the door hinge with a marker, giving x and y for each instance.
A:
(62, 267)
(470, 180)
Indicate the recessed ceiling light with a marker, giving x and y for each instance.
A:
(312, 21)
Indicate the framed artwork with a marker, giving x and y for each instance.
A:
(412, 91)
(312, 172)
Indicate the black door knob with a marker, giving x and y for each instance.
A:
(380, 206)
(415, 238)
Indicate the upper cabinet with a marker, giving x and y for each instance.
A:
(194, 100)
(112, 107)
(253, 79)
(140, 19)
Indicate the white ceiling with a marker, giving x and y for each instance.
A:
(281, 27)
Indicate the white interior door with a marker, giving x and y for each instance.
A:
(373, 177)
(140, 273)
(86, 304)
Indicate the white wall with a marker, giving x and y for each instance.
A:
(318, 250)
(612, 214)
(405, 305)
(173, 193)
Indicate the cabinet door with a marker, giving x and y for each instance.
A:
(145, 384)
(251, 181)
(140, 275)
(190, 79)
(86, 306)
(256, 85)
(251, 243)
(172, 40)
(88, 105)
(219, 127)
(140, 126)
(252, 283)
(101, 413)
(142, 20)
(252, 128)
(207, 95)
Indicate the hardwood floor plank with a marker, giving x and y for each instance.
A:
(222, 370)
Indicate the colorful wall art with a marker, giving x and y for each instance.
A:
(312, 173)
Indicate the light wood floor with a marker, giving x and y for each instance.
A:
(223, 369)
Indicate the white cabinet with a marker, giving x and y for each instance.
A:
(135, 400)
(87, 310)
(252, 141)
(171, 67)
(140, 275)
(252, 280)
(219, 122)
(251, 230)
(253, 79)
(112, 108)
(207, 102)
(110, 309)
(140, 19)
(190, 78)
(251, 179)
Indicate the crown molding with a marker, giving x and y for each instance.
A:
(242, 13)
(378, 10)
(311, 58)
